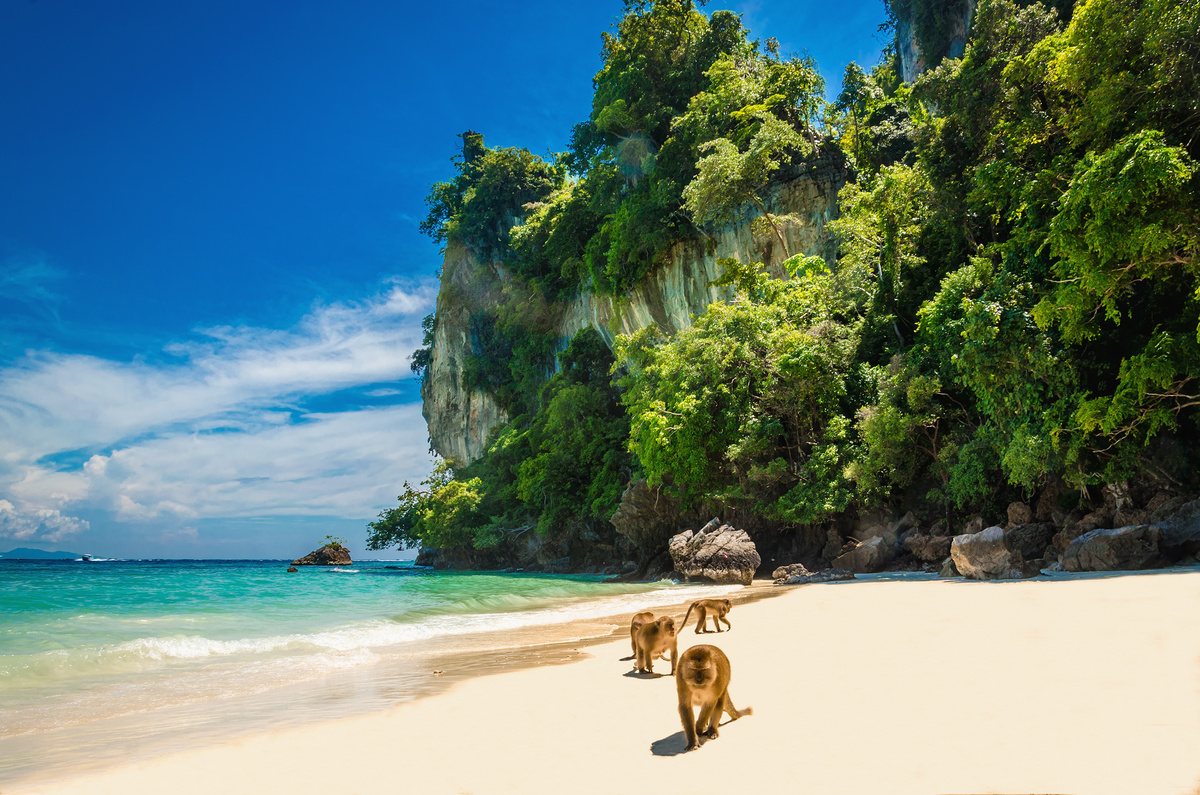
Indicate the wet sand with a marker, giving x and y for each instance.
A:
(1063, 685)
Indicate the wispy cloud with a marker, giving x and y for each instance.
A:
(215, 430)
(28, 278)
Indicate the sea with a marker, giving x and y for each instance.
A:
(108, 660)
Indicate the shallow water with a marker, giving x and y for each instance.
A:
(94, 654)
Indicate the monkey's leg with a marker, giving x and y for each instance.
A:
(689, 728)
(706, 724)
(727, 624)
(702, 624)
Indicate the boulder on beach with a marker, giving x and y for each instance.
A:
(797, 574)
(328, 555)
(986, 556)
(1120, 549)
(871, 555)
(717, 552)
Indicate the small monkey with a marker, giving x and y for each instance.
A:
(718, 607)
(652, 641)
(639, 620)
(702, 679)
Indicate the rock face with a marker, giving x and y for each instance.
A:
(646, 516)
(1122, 549)
(796, 574)
(461, 418)
(985, 556)
(870, 555)
(326, 556)
(1181, 528)
(912, 60)
(717, 552)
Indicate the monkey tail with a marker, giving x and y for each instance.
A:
(686, 616)
(744, 712)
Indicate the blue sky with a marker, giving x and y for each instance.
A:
(211, 276)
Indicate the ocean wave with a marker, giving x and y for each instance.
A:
(465, 616)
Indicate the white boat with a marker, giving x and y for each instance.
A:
(86, 558)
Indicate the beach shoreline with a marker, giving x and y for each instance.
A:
(1065, 684)
(425, 668)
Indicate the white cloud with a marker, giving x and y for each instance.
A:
(218, 430)
(44, 524)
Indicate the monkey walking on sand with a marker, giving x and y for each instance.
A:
(702, 680)
(639, 621)
(719, 609)
(651, 641)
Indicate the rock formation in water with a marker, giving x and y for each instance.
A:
(328, 555)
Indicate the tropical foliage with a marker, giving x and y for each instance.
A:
(1015, 305)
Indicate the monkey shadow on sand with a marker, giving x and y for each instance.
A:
(640, 675)
(673, 745)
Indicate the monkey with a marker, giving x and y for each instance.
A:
(653, 640)
(639, 620)
(718, 607)
(702, 679)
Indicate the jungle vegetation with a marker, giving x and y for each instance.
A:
(1014, 309)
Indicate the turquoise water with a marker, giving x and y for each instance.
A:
(85, 642)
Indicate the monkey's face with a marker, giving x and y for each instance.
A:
(669, 625)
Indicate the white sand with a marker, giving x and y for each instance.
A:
(1080, 686)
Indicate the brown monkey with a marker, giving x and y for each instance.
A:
(718, 607)
(639, 620)
(702, 679)
(652, 640)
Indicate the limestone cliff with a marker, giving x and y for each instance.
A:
(460, 418)
(953, 18)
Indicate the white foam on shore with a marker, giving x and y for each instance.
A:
(372, 634)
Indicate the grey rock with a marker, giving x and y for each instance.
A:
(1101, 517)
(870, 555)
(1158, 501)
(985, 556)
(930, 549)
(1018, 514)
(646, 516)
(807, 578)
(1031, 540)
(717, 552)
(1119, 549)
(791, 569)
(906, 522)
(974, 525)
(1117, 496)
(833, 545)
(948, 569)
(1181, 527)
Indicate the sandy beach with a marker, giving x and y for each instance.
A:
(1062, 685)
